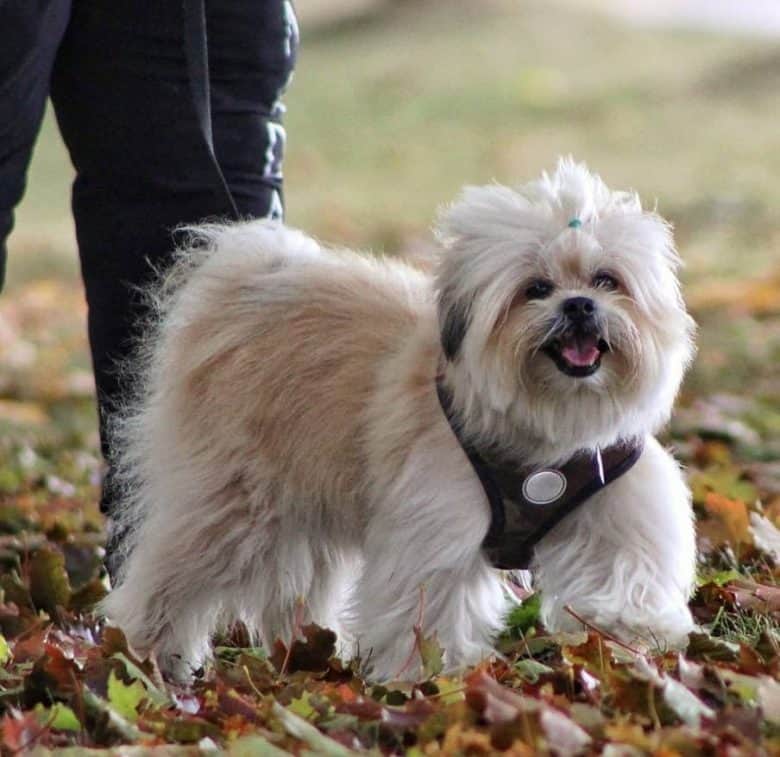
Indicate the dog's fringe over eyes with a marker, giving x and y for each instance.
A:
(285, 438)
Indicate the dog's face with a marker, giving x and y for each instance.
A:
(560, 309)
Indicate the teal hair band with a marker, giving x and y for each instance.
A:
(575, 223)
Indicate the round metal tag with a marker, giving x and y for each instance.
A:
(544, 486)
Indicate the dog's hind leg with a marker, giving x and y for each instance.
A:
(185, 571)
(166, 607)
(294, 583)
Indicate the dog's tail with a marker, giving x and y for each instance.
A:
(261, 243)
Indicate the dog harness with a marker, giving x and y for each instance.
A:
(527, 502)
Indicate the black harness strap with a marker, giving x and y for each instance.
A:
(527, 502)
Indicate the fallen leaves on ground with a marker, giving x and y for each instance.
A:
(68, 680)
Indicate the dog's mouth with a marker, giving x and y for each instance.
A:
(575, 354)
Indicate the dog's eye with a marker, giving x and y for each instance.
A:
(539, 289)
(604, 280)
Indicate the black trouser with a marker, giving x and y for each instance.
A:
(165, 125)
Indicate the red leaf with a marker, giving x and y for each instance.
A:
(20, 731)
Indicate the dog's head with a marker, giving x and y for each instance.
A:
(560, 310)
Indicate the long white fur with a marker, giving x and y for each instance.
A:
(285, 457)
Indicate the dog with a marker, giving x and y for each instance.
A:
(308, 428)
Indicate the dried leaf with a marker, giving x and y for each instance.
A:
(496, 703)
(756, 597)
(49, 583)
(308, 733)
(732, 514)
(702, 646)
(19, 731)
(766, 535)
(563, 734)
(688, 707)
(311, 653)
(769, 699)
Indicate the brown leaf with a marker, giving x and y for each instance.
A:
(460, 739)
(702, 646)
(766, 535)
(88, 596)
(756, 597)
(312, 653)
(113, 641)
(31, 647)
(496, 703)
(414, 713)
(53, 676)
(729, 521)
(232, 703)
(595, 654)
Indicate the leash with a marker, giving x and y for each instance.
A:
(197, 56)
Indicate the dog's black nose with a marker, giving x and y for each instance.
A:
(579, 308)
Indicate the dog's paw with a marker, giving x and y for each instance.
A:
(645, 628)
(663, 630)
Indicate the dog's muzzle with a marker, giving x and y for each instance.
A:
(576, 348)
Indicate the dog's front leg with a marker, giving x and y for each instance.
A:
(425, 573)
(625, 560)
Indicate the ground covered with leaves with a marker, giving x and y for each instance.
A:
(68, 680)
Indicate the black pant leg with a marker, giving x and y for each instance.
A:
(123, 98)
(30, 33)
(252, 50)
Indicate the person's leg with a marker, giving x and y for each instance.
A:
(122, 94)
(30, 33)
(252, 48)
(129, 95)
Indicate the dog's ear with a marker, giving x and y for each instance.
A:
(454, 317)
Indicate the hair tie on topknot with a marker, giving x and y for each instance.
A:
(575, 223)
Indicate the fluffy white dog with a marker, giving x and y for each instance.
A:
(287, 457)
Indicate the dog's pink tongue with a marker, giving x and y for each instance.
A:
(581, 354)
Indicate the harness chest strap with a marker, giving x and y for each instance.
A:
(527, 502)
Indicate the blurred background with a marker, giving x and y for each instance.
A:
(396, 104)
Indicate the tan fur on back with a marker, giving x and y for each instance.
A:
(292, 380)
